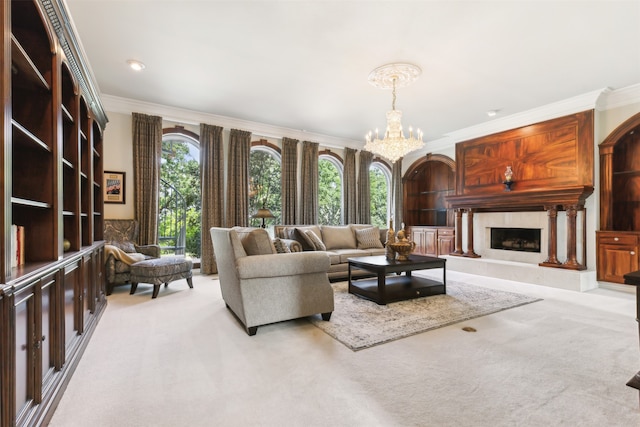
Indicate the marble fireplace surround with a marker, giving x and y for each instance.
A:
(558, 213)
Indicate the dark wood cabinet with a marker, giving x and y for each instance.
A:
(617, 255)
(432, 241)
(52, 126)
(426, 185)
(619, 234)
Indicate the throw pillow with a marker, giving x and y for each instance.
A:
(338, 237)
(255, 241)
(306, 242)
(317, 242)
(368, 238)
(281, 247)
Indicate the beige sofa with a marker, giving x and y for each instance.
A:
(339, 242)
(261, 286)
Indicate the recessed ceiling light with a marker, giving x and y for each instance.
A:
(492, 113)
(136, 65)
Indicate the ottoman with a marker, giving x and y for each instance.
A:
(160, 270)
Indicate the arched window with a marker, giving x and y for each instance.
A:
(329, 189)
(380, 193)
(265, 185)
(179, 218)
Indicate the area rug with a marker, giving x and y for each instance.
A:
(360, 324)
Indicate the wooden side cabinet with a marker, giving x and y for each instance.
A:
(432, 241)
(617, 254)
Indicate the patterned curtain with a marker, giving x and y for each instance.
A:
(212, 176)
(309, 206)
(147, 152)
(349, 186)
(289, 180)
(396, 194)
(364, 188)
(238, 178)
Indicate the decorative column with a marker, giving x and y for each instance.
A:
(458, 251)
(572, 260)
(552, 257)
(470, 252)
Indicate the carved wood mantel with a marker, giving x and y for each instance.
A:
(552, 165)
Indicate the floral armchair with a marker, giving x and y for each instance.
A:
(123, 234)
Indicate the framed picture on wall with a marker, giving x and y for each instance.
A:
(114, 187)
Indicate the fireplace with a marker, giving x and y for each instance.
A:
(516, 239)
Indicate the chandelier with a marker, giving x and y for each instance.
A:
(394, 145)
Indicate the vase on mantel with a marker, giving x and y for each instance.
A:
(508, 179)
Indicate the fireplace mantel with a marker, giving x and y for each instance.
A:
(549, 166)
(526, 200)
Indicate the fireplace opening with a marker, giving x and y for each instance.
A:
(516, 239)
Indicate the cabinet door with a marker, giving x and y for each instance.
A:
(431, 242)
(614, 261)
(417, 235)
(25, 350)
(445, 245)
(72, 309)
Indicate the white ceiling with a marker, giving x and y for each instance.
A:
(304, 64)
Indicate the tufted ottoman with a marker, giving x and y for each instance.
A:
(160, 270)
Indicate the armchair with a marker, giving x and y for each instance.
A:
(269, 287)
(123, 234)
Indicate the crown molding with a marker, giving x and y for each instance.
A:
(120, 105)
(620, 97)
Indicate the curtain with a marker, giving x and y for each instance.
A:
(396, 194)
(147, 152)
(309, 206)
(349, 186)
(212, 183)
(289, 180)
(238, 178)
(364, 188)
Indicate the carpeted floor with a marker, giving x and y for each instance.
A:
(360, 324)
(184, 360)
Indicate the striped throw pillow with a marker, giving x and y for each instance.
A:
(317, 242)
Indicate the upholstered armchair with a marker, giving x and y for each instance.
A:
(261, 286)
(123, 234)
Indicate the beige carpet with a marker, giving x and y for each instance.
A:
(360, 324)
(184, 360)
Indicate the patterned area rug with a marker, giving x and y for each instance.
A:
(360, 324)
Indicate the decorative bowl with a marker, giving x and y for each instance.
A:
(403, 249)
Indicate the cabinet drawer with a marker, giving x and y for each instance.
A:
(618, 239)
(445, 232)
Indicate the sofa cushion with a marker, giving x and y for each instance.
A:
(334, 257)
(368, 238)
(303, 239)
(345, 254)
(338, 237)
(255, 241)
(281, 247)
(315, 240)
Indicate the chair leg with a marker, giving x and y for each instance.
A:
(134, 286)
(252, 330)
(190, 282)
(156, 290)
(326, 316)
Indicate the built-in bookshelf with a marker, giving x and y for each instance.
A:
(51, 293)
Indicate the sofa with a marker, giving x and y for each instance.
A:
(340, 242)
(261, 286)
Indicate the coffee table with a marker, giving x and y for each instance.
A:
(385, 289)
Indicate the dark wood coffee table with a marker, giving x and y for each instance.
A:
(385, 289)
